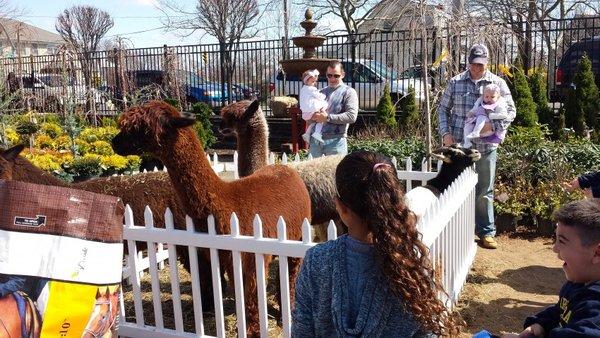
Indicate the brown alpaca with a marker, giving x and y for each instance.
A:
(7, 157)
(250, 128)
(270, 192)
(145, 189)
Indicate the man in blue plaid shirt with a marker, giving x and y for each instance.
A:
(458, 99)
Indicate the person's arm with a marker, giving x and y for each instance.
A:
(502, 124)
(547, 319)
(444, 109)
(350, 104)
(12, 284)
(302, 318)
(589, 180)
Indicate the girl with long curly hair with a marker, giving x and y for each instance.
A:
(376, 281)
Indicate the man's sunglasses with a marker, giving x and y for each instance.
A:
(337, 76)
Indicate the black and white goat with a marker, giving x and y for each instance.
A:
(455, 160)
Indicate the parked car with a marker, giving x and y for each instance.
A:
(369, 78)
(52, 91)
(568, 65)
(196, 88)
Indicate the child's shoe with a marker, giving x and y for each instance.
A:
(318, 137)
(306, 137)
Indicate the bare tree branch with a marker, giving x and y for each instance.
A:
(227, 20)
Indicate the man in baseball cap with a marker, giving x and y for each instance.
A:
(478, 54)
(461, 94)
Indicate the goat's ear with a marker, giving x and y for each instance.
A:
(252, 109)
(441, 154)
(12, 153)
(186, 120)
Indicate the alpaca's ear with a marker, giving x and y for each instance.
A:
(12, 153)
(186, 120)
(251, 110)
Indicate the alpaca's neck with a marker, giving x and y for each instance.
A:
(191, 174)
(253, 150)
(25, 171)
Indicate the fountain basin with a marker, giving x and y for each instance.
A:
(299, 66)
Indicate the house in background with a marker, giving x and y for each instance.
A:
(30, 40)
(391, 34)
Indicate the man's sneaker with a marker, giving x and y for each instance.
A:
(488, 242)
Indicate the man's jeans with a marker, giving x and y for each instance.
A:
(332, 146)
(484, 202)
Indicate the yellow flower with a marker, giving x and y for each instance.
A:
(43, 141)
(115, 162)
(101, 148)
(51, 129)
(11, 136)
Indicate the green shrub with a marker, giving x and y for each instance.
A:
(51, 129)
(108, 122)
(202, 111)
(583, 101)
(400, 148)
(531, 167)
(386, 111)
(537, 82)
(173, 102)
(84, 167)
(523, 99)
(409, 115)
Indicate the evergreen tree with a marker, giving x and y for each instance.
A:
(409, 117)
(523, 99)
(386, 111)
(559, 131)
(537, 82)
(203, 127)
(586, 93)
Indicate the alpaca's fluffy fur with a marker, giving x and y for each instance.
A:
(252, 132)
(270, 192)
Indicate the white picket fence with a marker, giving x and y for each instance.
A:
(447, 229)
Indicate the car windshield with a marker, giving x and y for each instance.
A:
(382, 70)
(54, 80)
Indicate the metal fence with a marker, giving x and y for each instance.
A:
(114, 78)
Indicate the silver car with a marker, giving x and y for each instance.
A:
(369, 77)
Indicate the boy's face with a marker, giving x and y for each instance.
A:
(578, 259)
(490, 96)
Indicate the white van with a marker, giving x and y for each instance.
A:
(369, 77)
(54, 89)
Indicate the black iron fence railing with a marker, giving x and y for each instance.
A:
(105, 81)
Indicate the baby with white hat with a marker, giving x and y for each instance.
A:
(312, 101)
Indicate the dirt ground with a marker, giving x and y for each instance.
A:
(521, 277)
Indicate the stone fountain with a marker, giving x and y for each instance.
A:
(308, 43)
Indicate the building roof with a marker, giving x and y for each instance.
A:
(28, 33)
(394, 15)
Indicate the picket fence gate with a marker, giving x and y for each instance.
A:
(447, 229)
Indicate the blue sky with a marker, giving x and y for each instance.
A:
(129, 16)
(137, 20)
